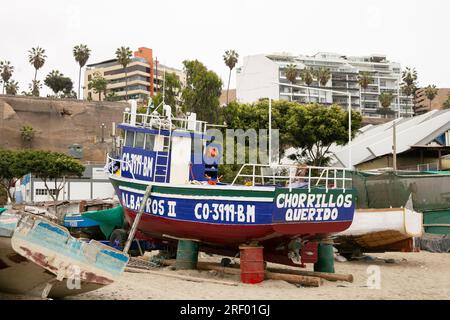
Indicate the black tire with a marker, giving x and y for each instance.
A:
(118, 238)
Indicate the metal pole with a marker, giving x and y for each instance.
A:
(103, 132)
(349, 131)
(270, 131)
(137, 219)
(394, 146)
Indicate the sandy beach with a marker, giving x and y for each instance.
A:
(421, 275)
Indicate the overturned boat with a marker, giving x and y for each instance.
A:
(38, 257)
(159, 178)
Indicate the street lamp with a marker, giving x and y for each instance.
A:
(103, 126)
(349, 110)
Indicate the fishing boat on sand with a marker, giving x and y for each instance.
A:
(39, 257)
(175, 193)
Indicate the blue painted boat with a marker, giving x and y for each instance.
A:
(38, 257)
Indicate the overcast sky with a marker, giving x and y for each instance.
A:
(414, 33)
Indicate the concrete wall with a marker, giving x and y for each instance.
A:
(59, 123)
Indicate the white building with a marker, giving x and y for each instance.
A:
(94, 184)
(260, 74)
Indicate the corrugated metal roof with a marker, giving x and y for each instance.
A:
(376, 141)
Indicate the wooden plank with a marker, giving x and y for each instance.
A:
(291, 278)
(181, 277)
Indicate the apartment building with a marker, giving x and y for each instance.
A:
(144, 73)
(263, 76)
(423, 104)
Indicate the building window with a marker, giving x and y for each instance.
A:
(44, 192)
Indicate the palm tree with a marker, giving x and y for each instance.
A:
(364, 79)
(35, 86)
(409, 85)
(323, 75)
(81, 53)
(6, 70)
(431, 92)
(230, 58)
(12, 87)
(291, 74)
(124, 58)
(385, 99)
(36, 57)
(308, 78)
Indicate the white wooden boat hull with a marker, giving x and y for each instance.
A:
(382, 228)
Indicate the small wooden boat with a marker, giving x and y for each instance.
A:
(38, 257)
(380, 230)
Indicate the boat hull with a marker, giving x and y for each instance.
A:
(380, 230)
(41, 255)
(227, 216)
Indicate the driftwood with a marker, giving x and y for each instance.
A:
(178, 276)
(291, 278)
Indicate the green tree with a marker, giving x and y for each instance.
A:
(291, 73)
(230, 58)
(323, 75)
(431, 92)
(385, 99)
(307, 76)
(123, 55)
(202, 91)
(35, 87)
(364, 80)
(12, 168)
(12, 87)
(56, 81)
(409, 84)
(81, 53)
(6, 71)
(27, 133)
(311, 129)
(53, 168)
(36, 57)
(446, 104)
(172, 89)
(99, 84)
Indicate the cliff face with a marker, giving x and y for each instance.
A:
(58, 124)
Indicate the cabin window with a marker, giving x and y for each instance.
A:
(166, 144)
(139, 140)
(129, 140)
(149, 142)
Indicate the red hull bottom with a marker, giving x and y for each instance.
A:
(230, 235)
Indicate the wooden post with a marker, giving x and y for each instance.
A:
(137, 219)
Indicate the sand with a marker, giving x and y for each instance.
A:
(420, 275)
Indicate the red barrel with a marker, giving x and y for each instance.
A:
(252, 264)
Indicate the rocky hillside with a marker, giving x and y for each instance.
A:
(59, 124)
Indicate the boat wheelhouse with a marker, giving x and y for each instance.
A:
(166, 177)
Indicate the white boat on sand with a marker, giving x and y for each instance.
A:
(381, 230)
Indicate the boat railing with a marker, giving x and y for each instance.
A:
(110, 162)
(158, 122)
(294, 176)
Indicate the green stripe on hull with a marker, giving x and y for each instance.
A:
(212, 191)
